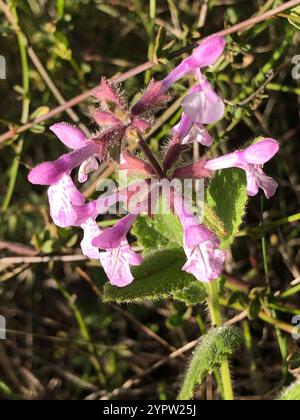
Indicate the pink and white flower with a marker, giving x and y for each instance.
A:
(204, 258)
(251, 160)
(116, 261)
(67, 204)
(206, 54)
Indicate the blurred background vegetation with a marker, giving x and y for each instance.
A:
(62, 341)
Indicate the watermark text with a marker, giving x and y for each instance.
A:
(2, 328)
(296, 330)
(2, 67)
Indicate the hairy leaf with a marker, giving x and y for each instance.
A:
(159, 276)
(216, 346)
(192, 295)
(227, 196)
(163, 231)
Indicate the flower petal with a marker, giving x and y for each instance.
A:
(194, 232)
(261, 152)
(230, 160)
(88, 166)
(205, 262)
(49, 173)
(116, 263)
(69, 135)
(256, 179)
(251, 160)
(63, 198)
(111, 238)
(91, 231)
(202, 108)
(183, 128)
(208, 52)
(200, 135)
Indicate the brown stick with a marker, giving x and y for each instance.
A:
(259, 18)
(42, 259)
(51, 85)
(73, 102)
(246, 24)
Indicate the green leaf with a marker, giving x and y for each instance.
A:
(158, 277)
(294, 17)
(292, 393)
(254, 308)
(227, 197)
(192, 295)
(212, 350)
(163, 231)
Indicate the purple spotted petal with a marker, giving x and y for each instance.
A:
(205, 262)
(69, 135)
(116, 264)
(63, 199)
(91, 231)
(204, 258)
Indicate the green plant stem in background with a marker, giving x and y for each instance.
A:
(264, 227)
(13, 174)
(281, 339)
(152, 9)
(216, 318)
(83, 331)
(257, 378)
(60, 8)
(151, 35)
(6, 389)
(290, 292)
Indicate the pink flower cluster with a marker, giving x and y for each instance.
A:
(201, 106)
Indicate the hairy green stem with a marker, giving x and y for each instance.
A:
(216, 318)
